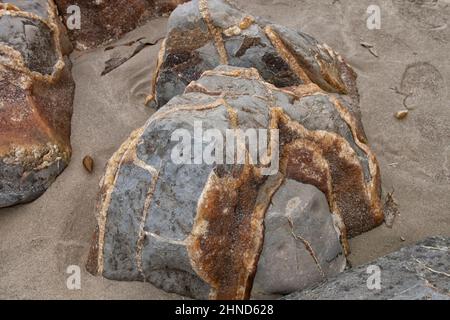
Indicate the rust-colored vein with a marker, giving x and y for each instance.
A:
(215, 32)
(248, 74)
(155, 77)
(373, 187)
(287, 56)
(195, 86)
(233, 115)
(227, 235)
(163, 114)
(329, 72)
(145, 213)
(8, 6)
(107, 187)
(141, 164)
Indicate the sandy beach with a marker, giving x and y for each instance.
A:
(407, 68)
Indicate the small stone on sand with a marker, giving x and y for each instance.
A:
(400, 115)
(88, 163)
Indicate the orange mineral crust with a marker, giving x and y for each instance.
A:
(36, 94)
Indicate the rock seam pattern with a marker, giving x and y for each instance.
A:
(36, 100)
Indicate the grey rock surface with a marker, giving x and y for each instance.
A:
(18, 185)
(418, 272)
(33, 39)
(301, 244)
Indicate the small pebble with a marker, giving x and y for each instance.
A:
(401, 114)
(88, 164)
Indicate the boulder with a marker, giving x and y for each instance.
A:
(418, 272)
(103, 21)
(188, 216)
(36, 94)
(205, 33)
(301, 244)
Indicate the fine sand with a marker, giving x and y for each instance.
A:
(38, 241)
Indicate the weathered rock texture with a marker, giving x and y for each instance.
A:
(198, 229)
(299, 247)
(420, 272)
(105, 20)
(205, 33)
(36, 93)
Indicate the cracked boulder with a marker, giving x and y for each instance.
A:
(36, 94)
(203, 34)
(188, 215)
(299, 236)
(106, 20)
(418, 272)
